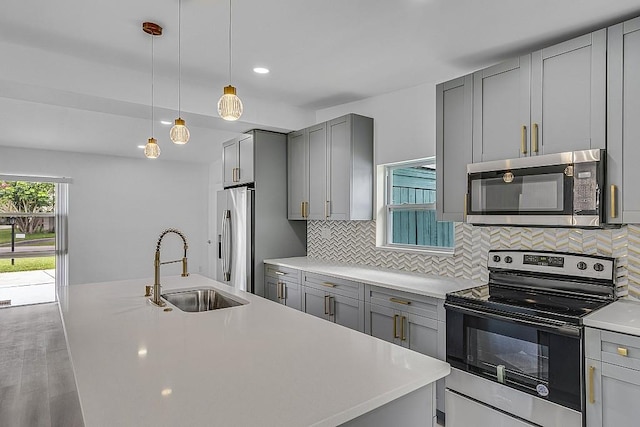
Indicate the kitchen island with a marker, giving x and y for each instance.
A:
(259, 364)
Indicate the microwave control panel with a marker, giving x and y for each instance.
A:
(585, 187)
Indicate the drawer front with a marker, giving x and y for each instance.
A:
(334, 285)
(407, 302)
(282, 273)
(620, 349)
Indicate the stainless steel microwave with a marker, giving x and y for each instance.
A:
(563, 189)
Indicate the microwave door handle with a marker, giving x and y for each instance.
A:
(559, 327)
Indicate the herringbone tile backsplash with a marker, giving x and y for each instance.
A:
(354, 242)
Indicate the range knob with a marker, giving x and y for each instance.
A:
(508, 259)
(496, 258)
(598, 267)
(582, 265)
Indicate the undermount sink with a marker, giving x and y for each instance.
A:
(201, 299)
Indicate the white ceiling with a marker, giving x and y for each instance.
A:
(76, 74)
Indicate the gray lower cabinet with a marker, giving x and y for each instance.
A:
(612, 378)
(454, 149)
(337, 300)
(282, 285)
(623, 126)
(413, 321)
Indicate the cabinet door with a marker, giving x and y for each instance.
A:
(421, 334)
(501, 110)
(623, 126)
(292, 295)
(568, 95)
(454, 146)
(315, 303)
(383, 323)
(347, 312)
(612, 395)
(317, 136)
(229, 163)
(338, 168)
(297, 176)
(271, 289)
(245, 160)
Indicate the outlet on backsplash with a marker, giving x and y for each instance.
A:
(325, 233)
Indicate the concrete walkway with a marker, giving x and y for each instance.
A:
(27, 287)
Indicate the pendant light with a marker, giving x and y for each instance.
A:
(152, 150)
(229, 105)
(179, 133)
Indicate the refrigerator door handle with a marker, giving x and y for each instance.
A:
(226, 245)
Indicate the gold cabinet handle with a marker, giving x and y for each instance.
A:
(327, 209)
(534, 138)
(305, 209)
(403, 336)
(302, 209)
(399, 301)
(592, 397)
(283, 290)
(278, 291)
(523, 141)
(326, 304)
(332, 302)
(237, 174)
(612, 191)
(395, 326)
(328, 285)
(622, 351)
(280, 273)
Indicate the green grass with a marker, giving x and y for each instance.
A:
(27, 264)
(5, 236)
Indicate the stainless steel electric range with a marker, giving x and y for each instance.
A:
(515, 345)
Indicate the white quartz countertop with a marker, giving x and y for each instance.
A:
(417, 283)
(620, 316)
(261, 364)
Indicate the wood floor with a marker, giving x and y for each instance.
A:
(37, 387)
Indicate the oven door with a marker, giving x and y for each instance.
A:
(537, 357)
(533, 195)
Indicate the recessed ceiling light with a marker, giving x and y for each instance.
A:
(261, 70)
(140, 146)
(164, 122)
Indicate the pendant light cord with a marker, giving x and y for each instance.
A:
(179, 58)
(152, 36)
(229, 41)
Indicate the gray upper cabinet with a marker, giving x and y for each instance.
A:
(238, 161)
(623, 130)
(453, 146)
(550, 101)
(501, 110)
(297, 174)
(336, 181)
(317, 139)
(568, 95)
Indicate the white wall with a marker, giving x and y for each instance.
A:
(404, 122)
(119, 206)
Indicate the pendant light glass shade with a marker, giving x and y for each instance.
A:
(179, 133)
(152, 149)
(229, 105)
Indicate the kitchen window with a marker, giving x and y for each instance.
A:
(409, 211)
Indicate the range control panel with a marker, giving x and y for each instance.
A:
(587, 266)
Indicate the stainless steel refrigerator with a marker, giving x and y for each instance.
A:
(251, 229)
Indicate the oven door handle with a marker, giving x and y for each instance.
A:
(560, 328)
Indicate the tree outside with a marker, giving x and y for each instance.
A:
(27, 197)
(34, 233)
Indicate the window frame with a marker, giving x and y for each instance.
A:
(387, 208)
